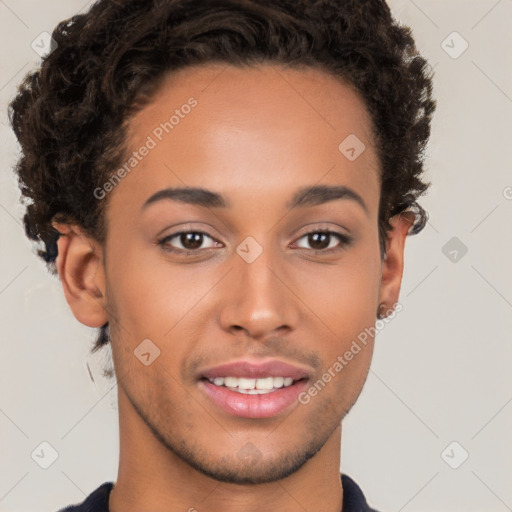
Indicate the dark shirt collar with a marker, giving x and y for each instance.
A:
(97, 501)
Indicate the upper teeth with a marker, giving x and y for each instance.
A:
(241, 383)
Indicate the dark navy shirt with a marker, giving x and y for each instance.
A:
(97, 501)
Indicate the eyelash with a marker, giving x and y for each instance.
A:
(344, 240)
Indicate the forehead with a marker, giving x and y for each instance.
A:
(245, 131)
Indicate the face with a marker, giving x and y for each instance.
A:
(254, 272)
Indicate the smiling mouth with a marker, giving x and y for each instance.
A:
(250, 397)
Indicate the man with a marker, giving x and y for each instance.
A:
(225, 189)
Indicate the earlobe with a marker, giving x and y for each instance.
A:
(81, 272)
(393, 262)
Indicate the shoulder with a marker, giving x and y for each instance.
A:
(353, 497)
(97, 501)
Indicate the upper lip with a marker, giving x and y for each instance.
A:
(256, 370)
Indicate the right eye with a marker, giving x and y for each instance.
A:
(187, 242)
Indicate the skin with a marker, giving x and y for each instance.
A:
(256, 136)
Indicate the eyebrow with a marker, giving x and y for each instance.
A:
(190, 195)
(320, 194)
(304, 197)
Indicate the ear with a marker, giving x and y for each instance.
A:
(81, 272)
(393, 263)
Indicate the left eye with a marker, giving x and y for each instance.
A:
(323, 240)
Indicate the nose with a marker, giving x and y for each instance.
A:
(258, 298)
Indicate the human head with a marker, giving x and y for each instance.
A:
(115, 72)
(103, 89)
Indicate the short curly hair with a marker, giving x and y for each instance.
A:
(71, 115)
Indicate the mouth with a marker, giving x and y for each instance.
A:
(250, 402)
(252, 390)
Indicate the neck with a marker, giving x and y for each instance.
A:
(151, 477)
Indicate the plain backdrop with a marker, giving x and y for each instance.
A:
(432, 428)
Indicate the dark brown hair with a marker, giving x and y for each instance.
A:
(70, 116)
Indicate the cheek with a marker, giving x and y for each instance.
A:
(344, 297)
(154, 298)
(344, 300)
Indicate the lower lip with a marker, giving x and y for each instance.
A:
(254, 406)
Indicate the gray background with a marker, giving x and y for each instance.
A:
(441, 370)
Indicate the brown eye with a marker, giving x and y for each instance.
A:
(187, 241)
(192, 240)
(319, 240)
(323, 241)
